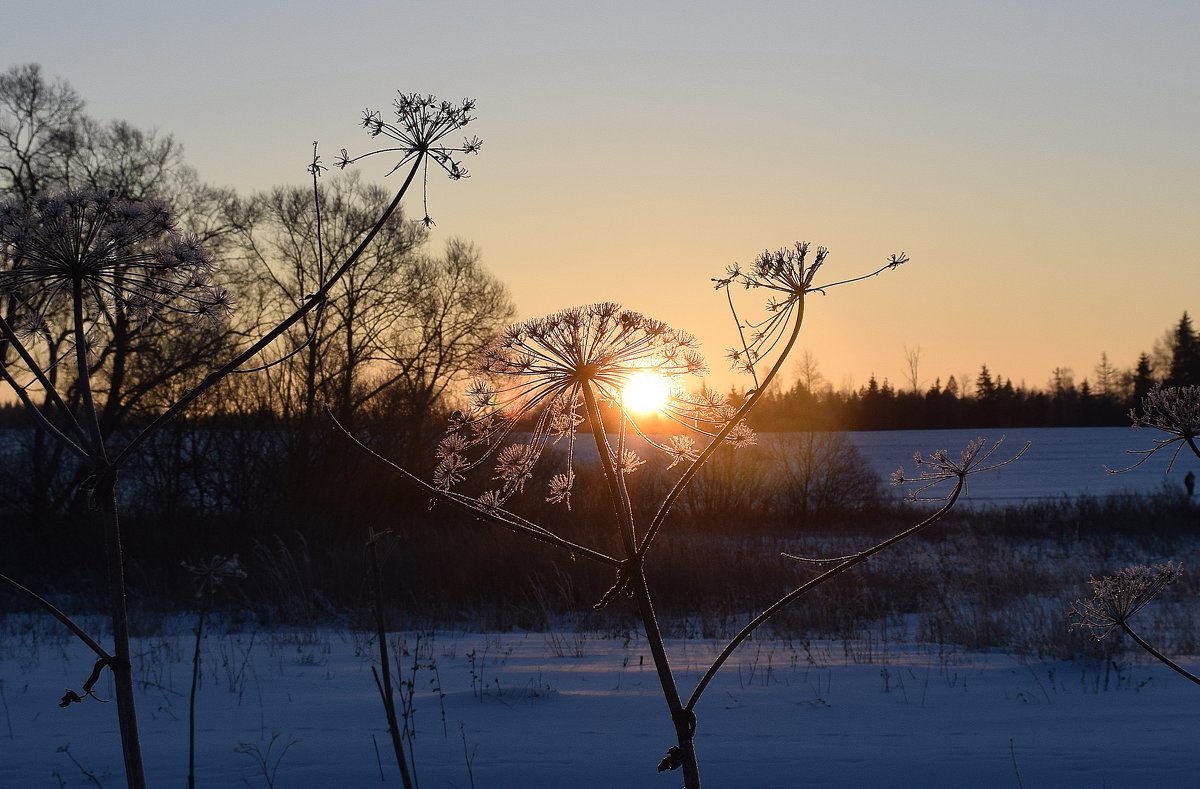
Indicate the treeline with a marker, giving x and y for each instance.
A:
(989, 400)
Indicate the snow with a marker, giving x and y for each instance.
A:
(583, 710)
(1060, 462)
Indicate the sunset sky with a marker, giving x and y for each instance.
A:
(1037, 161)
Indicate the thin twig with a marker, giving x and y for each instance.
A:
(780, 604)
(57, 613)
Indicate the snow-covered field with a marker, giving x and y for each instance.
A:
(300, 709)
(1060, 462)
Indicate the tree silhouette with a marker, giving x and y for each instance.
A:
(1185, 354)
(1143, 377)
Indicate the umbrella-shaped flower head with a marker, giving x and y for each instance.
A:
(540, 378)
(121, 256)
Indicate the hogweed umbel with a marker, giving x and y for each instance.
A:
(123, 256)
(788, 274)
(1174, 410)
(1118, 597)
(939, 467)
(422, 125)
(538, 379)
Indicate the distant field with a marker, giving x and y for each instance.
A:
(1061, 461)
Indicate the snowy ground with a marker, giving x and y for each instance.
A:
(584, 711)
(1060, 462)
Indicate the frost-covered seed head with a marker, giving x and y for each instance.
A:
(1116, 598)
(535, 376)
(1175, 411)
(939, 467)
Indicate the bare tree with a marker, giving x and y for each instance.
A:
(912, 361)
(322, 356)
(820, 473)
(808, 372)
(458, 310)
(38, 122)
(402, 325)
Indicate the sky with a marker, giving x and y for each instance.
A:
(1037, 162)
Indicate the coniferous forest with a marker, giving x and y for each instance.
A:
(989, 400)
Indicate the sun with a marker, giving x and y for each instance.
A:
(646, 393)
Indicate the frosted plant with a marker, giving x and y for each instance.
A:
(550, 376)
(1173, 410)
(555, 379)
(422, 125)
(940, 467)
(1117, 598)
(210, 575)
(788, 274)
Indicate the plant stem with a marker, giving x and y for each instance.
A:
(313, 302)
(684, 720)
(58, 614)
(120, 665)
(1160, 656)
(385, 687)
(677, 490)
(500, 517)
(840, 568)
(192, 696)
(104, 496)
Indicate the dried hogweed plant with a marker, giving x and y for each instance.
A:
(1173, 410)
(73, 268)
(551, 375)
(421, 129)
(1116, 598)
(564, 379)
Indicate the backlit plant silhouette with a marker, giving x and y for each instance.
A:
(1117, 598)
(74, 265)
(562, 380)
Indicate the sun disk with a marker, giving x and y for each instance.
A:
(647, 392)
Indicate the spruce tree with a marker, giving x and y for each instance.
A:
(1185, 355)
(1143, 378)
